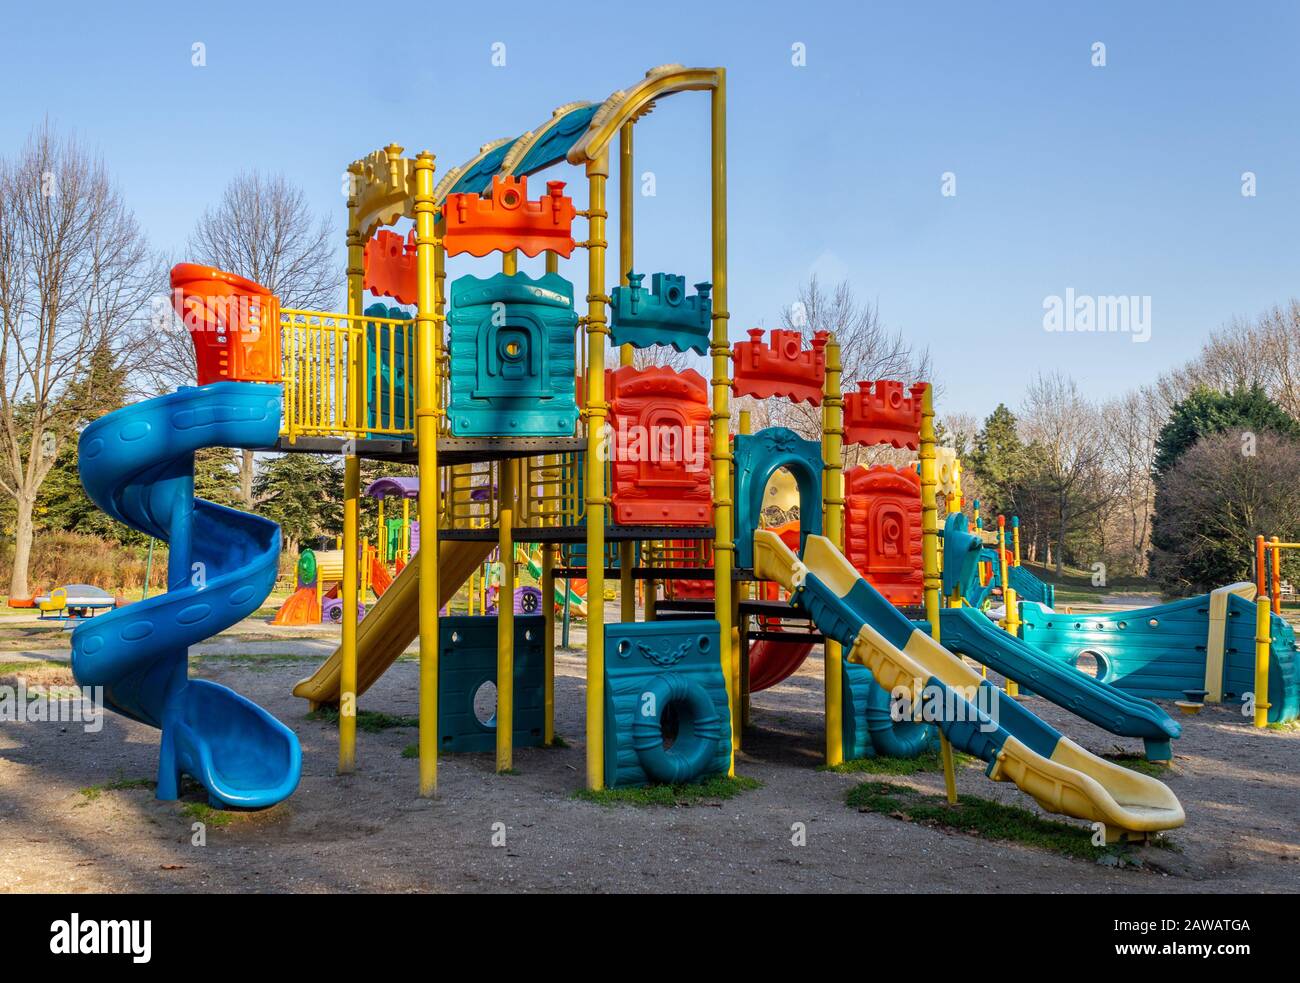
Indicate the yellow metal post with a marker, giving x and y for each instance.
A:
(428, 327)
(505, 715)
(720, 350)
(1015, 539)
(930, 557)
(1263, 643)
(626, 186)
(744, 426)
(597, 330)
(351, 508)
(548, 616)
(833, 523)
(1011, 612)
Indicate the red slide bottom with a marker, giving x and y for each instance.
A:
(772, 662)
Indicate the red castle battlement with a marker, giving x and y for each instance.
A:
(508, 220)
(879, 413)
(783, 367)
(390, 266)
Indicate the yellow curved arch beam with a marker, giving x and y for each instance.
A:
(627, 105)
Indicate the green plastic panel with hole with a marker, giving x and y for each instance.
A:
(467, 659)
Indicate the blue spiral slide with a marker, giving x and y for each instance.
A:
(137, 464)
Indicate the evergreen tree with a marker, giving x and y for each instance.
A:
(304, 494)
(1208, 411)
(1001, 460)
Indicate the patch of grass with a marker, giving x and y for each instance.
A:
(208, 816)
(411, 751)
(1285, 725)
(119, 784)
(977, 817)
(712, 788)
(1138, 763)
(926, 761)
(370, 721)
(509, 771)
(558, 741)
(27, 665)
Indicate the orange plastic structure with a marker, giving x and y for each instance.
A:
(390, 266)
(660, 446)
(883, 415)
(782, 368)
(882, 530)
(301, 608)
(508, 220)
(380, 578)
(233, 322)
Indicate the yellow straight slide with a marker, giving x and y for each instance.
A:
(1019, 747)
(394, 622)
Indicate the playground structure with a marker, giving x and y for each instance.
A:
(497, 389)
(1229, 644)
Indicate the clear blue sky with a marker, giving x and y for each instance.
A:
(1117, 180)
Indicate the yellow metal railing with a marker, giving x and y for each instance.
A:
(330, 389)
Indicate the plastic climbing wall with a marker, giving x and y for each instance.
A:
(882, 530)
(660, 446)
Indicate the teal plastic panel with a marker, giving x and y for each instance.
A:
(662, 315)
(1159, 652)
(513, 362)
(639, 658)
(758, 457)
(467, 658)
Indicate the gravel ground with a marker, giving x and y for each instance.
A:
(370, 832)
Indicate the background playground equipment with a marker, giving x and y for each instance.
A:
(72, 602)
(1027, 586)
(319, 573)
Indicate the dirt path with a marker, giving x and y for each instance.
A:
(369, 831)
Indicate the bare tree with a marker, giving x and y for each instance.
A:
(1213, 503)
(75, 279)
(1133, 423)
(671, 358)
(868, 351)
(1262, 352)
(264, 229)
(1070, 438)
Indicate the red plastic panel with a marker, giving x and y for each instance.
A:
(508, 220)
(782, 368)
(233, 322)
(390, 266)
(882, 530)
(659, 446)
(883, 414)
